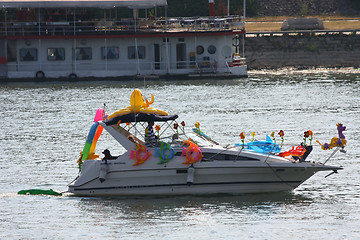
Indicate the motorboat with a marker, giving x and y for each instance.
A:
(172, 161)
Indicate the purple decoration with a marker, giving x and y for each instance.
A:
(340, 129)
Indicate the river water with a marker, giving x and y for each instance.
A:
(44, 128)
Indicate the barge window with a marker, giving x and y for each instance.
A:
(28, 54)
(131, 52)
(109, 53)
(56, 54)
(83, 53)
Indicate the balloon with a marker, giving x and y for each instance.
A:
(138, 105)
(89, 140)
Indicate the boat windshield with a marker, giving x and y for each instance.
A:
(201, 141)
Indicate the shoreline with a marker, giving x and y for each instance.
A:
(303, 49)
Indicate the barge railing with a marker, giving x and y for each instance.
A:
(119, 26)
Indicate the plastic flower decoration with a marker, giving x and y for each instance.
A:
(157, 129)
(128, 124)
(242, 137)
(306, 135)
(273, 136)
(253, 135)
(176, 125)
(197, 125)
(183, 126)
(281, 134)
(311, 136)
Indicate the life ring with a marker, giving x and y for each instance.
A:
(40, 75)
(138, 155)
(72, 76)
(166, 152)
(192, 154)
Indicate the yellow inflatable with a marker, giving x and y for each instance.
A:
(138, 105)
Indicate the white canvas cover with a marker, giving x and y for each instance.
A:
(81, 3)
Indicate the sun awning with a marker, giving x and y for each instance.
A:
(140, 117)
(81, 3)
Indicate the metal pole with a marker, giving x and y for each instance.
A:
(75, 43)
(228, 7)
(5, 42)
(244, 12)
(105, 48)
(39, 55)
(137, 57)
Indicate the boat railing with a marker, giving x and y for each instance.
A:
(119, 26)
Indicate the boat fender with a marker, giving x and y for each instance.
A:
(103, 171)
(40, 75)
(190, 175)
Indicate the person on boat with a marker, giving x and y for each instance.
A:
(150, 138)
(132, 139)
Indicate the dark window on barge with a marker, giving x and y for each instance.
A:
(109, 53)
(56, 54)
(132, 52)
(28, 54)
(83, 53)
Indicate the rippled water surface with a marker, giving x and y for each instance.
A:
(44, 128)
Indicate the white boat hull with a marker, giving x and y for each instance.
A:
(231, 177)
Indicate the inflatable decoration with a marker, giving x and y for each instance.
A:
(335, 142)
(39, 192)
(166, 152)
(138, 105)
(201, 133)
(193, 153)
(262, 146)
(93, 136)
(141, 154)
(296, 152)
